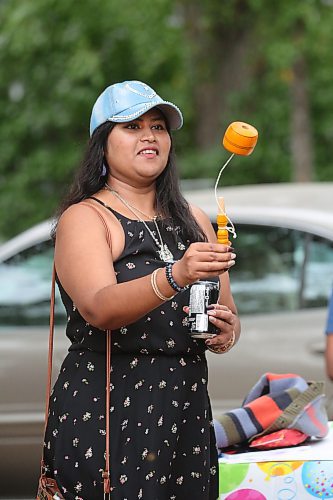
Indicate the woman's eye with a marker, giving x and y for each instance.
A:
(158, 126)
(131, 126)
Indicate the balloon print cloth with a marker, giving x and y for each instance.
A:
(280, 479)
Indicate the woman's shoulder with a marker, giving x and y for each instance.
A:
(89, 221)
(89, 207)
(76, 211)
(80, 216)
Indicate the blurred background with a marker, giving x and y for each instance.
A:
(266, 63)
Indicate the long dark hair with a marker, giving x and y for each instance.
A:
(170, 202)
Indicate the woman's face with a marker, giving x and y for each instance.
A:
(138, 151)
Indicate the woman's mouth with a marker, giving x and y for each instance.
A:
(148, 152)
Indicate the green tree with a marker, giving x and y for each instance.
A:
(56, 56)
(265, 63)
(268, 64)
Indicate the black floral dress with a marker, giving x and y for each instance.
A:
(162, 441)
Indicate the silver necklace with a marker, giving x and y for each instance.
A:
(163, 249)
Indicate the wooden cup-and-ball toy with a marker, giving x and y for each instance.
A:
(240, 138)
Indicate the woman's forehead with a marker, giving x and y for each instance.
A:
(152, 114)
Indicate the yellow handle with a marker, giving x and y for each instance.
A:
(222, 232)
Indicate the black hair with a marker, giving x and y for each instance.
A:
(170, 202)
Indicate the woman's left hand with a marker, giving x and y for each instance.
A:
(224, 320)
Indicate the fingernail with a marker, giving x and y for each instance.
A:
(231, 263)
(212, 319)
(211, 312)
(233, 256)
(231, 249)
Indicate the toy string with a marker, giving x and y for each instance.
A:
(231, 229)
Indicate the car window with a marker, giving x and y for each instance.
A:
(318, 276)
(280, 269)
(25, 287)
(277, 269)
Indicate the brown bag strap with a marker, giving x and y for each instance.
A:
(106, 472)
(50, 352)
(49, 361)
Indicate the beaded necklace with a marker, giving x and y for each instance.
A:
(163, 249)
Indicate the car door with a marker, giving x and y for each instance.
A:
(25, 284)
(281, 283)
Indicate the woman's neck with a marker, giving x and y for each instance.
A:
(125, 197)
(144, 197)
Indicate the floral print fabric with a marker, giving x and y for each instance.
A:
(162, 441)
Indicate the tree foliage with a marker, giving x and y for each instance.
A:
(57, 56)
(219, 61)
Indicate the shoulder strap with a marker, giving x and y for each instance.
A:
(49, 361)
(106, 472)
(50, 352)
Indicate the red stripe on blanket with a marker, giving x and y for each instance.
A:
(277, 376)
(265, 410)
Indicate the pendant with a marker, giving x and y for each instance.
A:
(165, 254)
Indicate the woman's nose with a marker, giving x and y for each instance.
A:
(147, 135)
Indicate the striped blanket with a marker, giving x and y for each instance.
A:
(277, 401)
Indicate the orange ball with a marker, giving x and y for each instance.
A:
(240, 138)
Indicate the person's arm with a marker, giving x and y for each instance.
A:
(85, 268)
(329, 340)
(224, 316)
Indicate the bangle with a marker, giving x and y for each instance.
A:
(154, 285)
(171, 281)
(221, 349)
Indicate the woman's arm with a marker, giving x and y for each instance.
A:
(85, 268)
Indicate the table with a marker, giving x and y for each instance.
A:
(303, 472)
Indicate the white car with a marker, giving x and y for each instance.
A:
(281, 283)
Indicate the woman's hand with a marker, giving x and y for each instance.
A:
(203, 260)
(224, 320)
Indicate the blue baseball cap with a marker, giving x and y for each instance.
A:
(126, 101)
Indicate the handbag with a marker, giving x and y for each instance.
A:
(47, 486)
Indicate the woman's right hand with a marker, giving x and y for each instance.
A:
(203, 260)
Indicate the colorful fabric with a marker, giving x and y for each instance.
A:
(276, 401)
(279, 439)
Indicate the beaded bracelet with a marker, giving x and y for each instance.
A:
(155, 288)
(171, 281)
(221, 349)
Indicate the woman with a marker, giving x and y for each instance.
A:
(162, 439)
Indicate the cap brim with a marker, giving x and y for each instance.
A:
(171, 112)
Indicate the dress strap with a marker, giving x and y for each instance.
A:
(101, 203)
